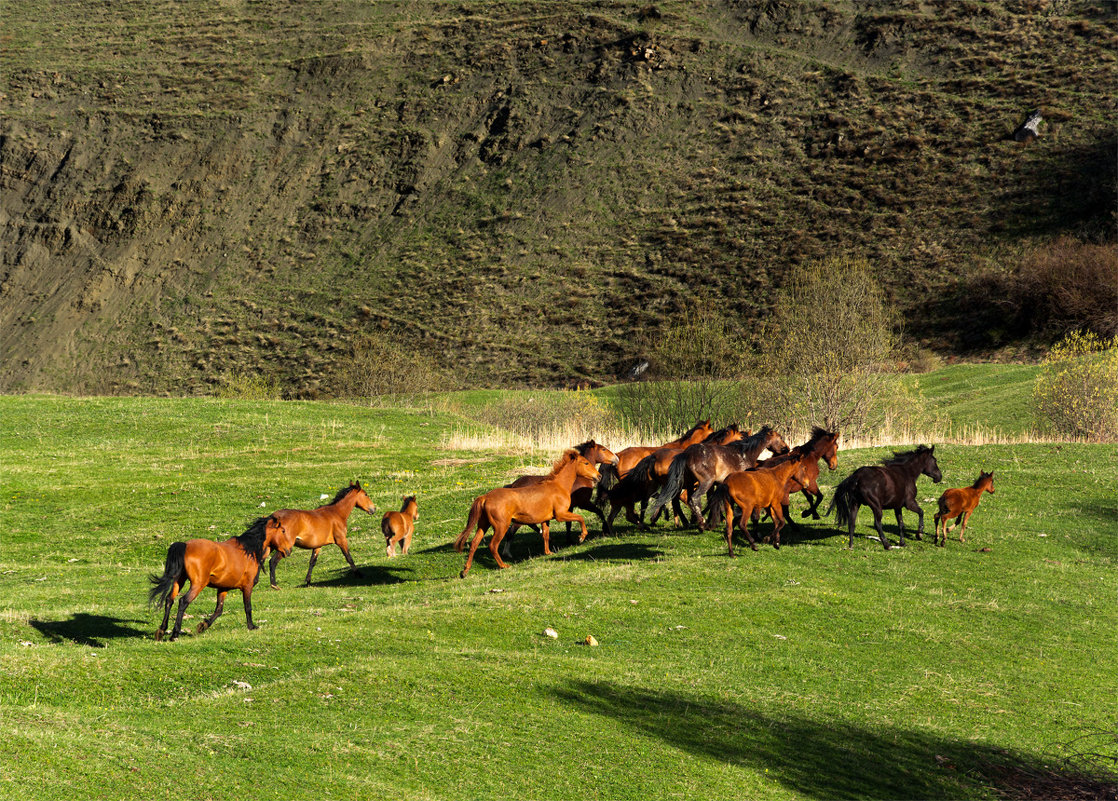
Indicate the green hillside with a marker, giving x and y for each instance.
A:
(528, 190)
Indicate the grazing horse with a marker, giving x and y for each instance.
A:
(821, 445)
(232, 564)
(758, 488)
(536, 503)
(890, 485)
(698, 467)
(959, 503)
(628, 458)
(398, 526)
(315, 528)
(582, 492)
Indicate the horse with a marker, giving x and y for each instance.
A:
(628, 458)
(959, 503)
(398, 526)
(582, 492)
(635, 487)
(232, 564)
(754, 489)
(536, 503)
(319, 527)
(663, 457)
(821, 445)
(890, 485)
(698, 467)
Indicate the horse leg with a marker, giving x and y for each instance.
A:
(184, 602)
(745, 518)
(205, 624)
(592, 507)
(693, 502)
(877, 525)
(247, 593)
(341, 541)
(406, 544)
(499, 529)
(167, 611)
(571, 517)
(900, 526)
(963, 530)
(728, 513)
(853, 519)
(479, 532)
(310, 567)
(545, 532)
(776, 511)
(276, 555)
(913, 506)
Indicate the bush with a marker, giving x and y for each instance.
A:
(1071, 284)
(828, 352)
(379, 367)
(1076, 392)
(237, 385)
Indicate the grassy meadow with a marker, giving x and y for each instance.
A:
(808, 672)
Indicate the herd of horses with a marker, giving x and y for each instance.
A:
(724, 468)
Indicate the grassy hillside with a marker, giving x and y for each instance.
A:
(525, 189)
(970, 671)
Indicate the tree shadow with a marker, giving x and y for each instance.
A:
(826, 759)
(88, 630)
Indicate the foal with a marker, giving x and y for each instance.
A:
(398, 526)
(959, 503)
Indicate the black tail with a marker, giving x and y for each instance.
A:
(844, 503)
(608, 478)
(673, 485)
(716, 499)
(172, 569)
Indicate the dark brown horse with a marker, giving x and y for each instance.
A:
(890, 485)
(697, 468)
(635, 487)
(540, 502)
(397, 527)
(628, 458)
(582, 492)
(751, 490)
(230, 565)
(315, 528)
(959, 503)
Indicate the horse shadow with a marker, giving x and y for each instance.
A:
(826, 758)
(366, 576)
(88, 630)
(616, 552)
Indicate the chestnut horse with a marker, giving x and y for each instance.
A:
(398, 526)
(959, 503)
(759, 488)
(319, 527)
(536, 503)
(698, 468)
(582, 492)
(890, 485)
(232, 564)
(821, 445)
(628, 458)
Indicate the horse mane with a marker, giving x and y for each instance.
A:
(583, 447)
(723, 432)
(252, 541)
(568, 454)
(817, 435)
(903, 457)
(982, 476)
(344, 491)
(752, 441)
(694, 428)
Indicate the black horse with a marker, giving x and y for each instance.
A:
(890, 485)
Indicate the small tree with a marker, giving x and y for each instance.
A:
(1077, 389)
(828, 350)
(379, 367)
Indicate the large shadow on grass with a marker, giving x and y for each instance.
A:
(88, 630)
(368, 576)
(616, 552)
(832, 759)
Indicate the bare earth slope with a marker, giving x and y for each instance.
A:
(525, 189)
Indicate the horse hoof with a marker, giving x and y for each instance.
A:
(200, 629)
(275, 586)
(159, 635)
(776, 545)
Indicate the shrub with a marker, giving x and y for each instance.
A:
(1071, 284)
(379, 367)
(1077, 389)
(828, 351)
(235, 384)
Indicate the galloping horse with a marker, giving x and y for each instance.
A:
(319, 527)
(540, 503)
(759, 488)
(582, 492)
(890, 485)
(398, 526)
(698, 467)
(959, 503)
(628, 458)
(821, 445)
(635, 487)
(232, 564)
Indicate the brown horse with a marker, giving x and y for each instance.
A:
(582, 492)
(628, 458)
(398, 526)
(232, 564)
(663, 457)
(635, 487)
(698, 468)
(319, 527)
(821, 445)
(760, 488)
(959, 503)
(536, 503)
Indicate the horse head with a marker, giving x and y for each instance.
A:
(830, 452)
(597, 453)
(362, 501)
(775, 443)
(275, 536)
(986, 482)
(584, 468)
(931, 468)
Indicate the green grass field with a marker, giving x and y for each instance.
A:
(809, 672)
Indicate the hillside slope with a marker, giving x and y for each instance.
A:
(525, 189)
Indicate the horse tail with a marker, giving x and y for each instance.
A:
(843, 503)
(471, 522)
(716, 499)
(608, 477)
(673, 485)
(173, 567)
